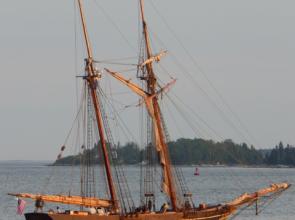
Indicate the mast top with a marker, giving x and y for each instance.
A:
(142, 11)
(86, 37)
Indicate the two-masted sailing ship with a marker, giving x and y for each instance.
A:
(119, 204)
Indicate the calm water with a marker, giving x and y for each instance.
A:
(213, 185)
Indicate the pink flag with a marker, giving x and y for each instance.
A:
(21, 204)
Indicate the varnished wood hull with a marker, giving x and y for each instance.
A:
(221, 213)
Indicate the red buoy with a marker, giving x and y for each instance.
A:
(197, 172)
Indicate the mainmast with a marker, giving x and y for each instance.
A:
(151, 84)
(150, 98)
(92, 76)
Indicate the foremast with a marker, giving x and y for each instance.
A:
(91, 77)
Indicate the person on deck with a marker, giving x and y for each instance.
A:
(187, 205)
(101, 211)
(39, 204)
(58, 210)
(91, 210)
(150, 205)
(164, 207)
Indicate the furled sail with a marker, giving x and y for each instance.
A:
(72, 200)
(155, 58)
(247, 198)
(158, 143)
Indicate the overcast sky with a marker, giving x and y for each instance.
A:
(245, 48)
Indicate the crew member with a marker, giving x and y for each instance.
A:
(39, 204)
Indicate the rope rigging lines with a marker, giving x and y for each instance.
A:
(122, 184)
(242, 125)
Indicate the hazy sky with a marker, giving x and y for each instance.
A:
(245, 48)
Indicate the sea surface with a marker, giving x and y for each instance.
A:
(214, 185)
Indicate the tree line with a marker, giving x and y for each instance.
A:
(281, 155)
(186, 151)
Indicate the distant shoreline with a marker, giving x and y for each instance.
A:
(51, 163)
(197, 165)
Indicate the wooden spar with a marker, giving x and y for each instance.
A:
(88, 46)
(156, 58)
(91, 78)
(248, 198)
(72, 200)
(151, 84)
(145, 31)
(139, 91)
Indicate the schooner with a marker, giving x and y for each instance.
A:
(173, 185)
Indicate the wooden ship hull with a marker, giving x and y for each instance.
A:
(219, 212)
(203, 212)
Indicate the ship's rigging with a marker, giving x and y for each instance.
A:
(119, 201)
